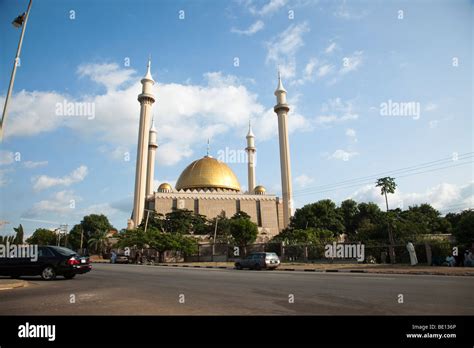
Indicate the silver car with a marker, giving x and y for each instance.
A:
(259, 261)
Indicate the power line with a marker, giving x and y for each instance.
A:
(371, 182)
(392, 172)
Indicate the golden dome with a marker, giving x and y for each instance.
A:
(259, 190)
(207, 173)
(164, 187)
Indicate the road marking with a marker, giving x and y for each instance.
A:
(375, 277)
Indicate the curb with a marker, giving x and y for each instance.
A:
(13, 285)
(313, 270)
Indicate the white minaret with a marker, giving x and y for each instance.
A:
(152, 146)
(281, 109)
(251, 158)
(146, 100)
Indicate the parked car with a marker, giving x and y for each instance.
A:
(122, 258)
(52, 261)
(259, 261)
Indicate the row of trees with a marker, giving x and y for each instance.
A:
(367, 223)
(173, 231)
(317, 223)
(91, 233)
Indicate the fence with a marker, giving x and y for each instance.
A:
(427, 253)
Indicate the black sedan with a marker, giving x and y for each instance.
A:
(51, 262)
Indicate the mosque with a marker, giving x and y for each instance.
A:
(208, 186)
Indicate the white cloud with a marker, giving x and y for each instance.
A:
(307, 72)
(303, 180)
(119, 153)
(352, 62)
(3, 177)
(185, 114)
(342, 155)
(351, 133)
(265, 127)
(336, 110)
(33, 164)
(61, 203)
(282, 49)
(43, 182)
(109, 75)
(332, 46)
(444, 197)
(32, 113)
(254, 28)
(6, 157)
(269, 8)
(343, 11)
(100, 208)
(431, 107)
(66, 204)
(325, 70)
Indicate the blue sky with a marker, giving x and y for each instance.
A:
(340, 61)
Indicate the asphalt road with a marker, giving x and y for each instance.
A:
(131, 289)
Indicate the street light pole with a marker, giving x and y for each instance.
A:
(15, 64)
(214, 240)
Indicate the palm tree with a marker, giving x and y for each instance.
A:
(19, 234)
(99, 241)
(388, 185)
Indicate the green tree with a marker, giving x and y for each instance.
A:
(453, 219)
(464, 231)
(243, 231)
(42, 236)
(387, 185)
(241, 215)
(74, 237)
(161, 241)
(322, 215)
(179, 221)
(429, 219)
(98, 242)
(349, 210)
(223, 228)
(88, 228)
(156, 220)
(95, 223)
(133, 238)
(309, 236)
(200, 225)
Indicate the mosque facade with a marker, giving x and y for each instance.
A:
(208, 186)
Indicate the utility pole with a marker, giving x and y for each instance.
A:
(21, 20)
(214, 240)
(147, 216)
(82, 236)
(64, 228)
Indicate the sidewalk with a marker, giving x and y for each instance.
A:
(7, 284)
(334, 267)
